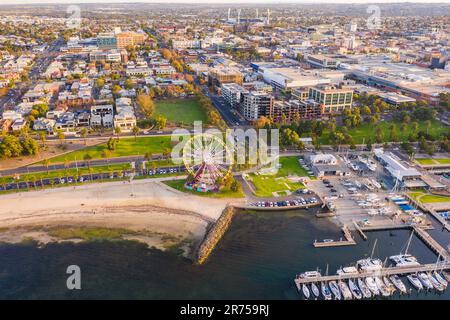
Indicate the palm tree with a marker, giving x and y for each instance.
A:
(33, 179)
(87, 157)
(84, 133)
(46, 163)
(427, 125)
(135, 131)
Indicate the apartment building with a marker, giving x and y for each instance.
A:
(233, 94)
(102, 116)
(220, 75)
(332, 99)
(256, 104)
(125, 39)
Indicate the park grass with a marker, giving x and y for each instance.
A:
(432, 161)
(66, 173)
(88, 233)
(428, 198)
(267, 184)
(367, 131)
(125, 147)
(425, 161)
(182, 110)
(290, 166)
(179, 185)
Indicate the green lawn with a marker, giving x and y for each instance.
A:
(182, 110)
(428, 198)
(125, 147)
(366, 131)
(85, 170)
(267, 184)
(179, 185)
(290, 166)
(431, 161)
(66, 172)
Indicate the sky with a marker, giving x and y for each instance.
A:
(218, 1)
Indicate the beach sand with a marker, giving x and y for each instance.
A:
(150, 209)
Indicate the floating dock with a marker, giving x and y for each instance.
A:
(347, 242)
(379, 273)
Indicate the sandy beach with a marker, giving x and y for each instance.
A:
(149, 208)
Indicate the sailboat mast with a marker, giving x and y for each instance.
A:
(373, 249)
(409, 242)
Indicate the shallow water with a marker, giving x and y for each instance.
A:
(258, 258)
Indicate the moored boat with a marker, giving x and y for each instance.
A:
(371, 284)
(382, 287)
(436, 284)
(364, 290)
(354, 289)
(440, 278)
(389, 284)
(414, 280)
(326, 292)
(425, 279)
(305, 291)
(346, 293)
(398, 283)
(315, 290)
(335, 289)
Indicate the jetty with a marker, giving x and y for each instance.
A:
(378, 273)
(347, 241)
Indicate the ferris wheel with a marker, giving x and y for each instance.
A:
(208, 161)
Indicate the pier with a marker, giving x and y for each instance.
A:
(433, 212)
(433, 244)
(379, 273)
(363, 235)
(347, 242)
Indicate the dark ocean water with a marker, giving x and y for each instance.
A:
(258, 258)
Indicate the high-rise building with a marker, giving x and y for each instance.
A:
(332, 99)
(129, 39)
(256, 104)
(106, 41)
(233, 94)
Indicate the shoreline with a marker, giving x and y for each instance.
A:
(150, 211)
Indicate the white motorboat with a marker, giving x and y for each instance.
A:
(404, 260)
(414, 279)
(382, 287)
(346, 293)
(335, 289)
(440, 278)
(372, 285)
(364, 290)
(398, 283)
(354, 289)
(326, 292)
(305, 291)
(389, 284)
(425, 279)
(369, 264)
(347, 270)
(310, 274)
(436, 284)
(315, 290)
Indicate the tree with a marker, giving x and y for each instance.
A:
(135, 131)
(117, 131)
(161, 122)
(87, 157)
(145, 104)
(84, 133)
(30, 146)
(100, 83)
(10, 147)
(46, 163)
(60, 135)
(428, 125)
(43, 137)
(166, 53)
(128, 84)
